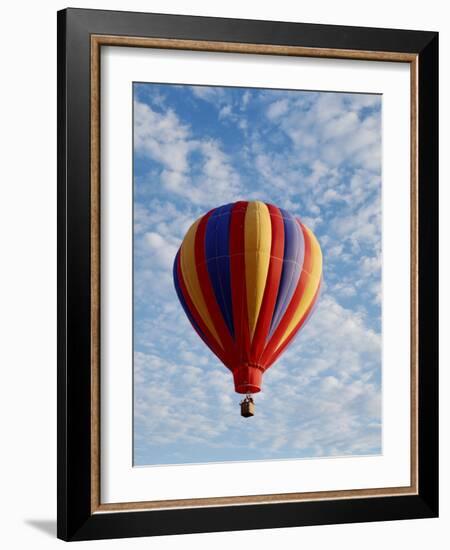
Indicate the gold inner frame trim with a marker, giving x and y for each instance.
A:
(97, 41)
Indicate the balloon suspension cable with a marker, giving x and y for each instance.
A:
(247, 406)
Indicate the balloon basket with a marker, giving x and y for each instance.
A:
(247, 407)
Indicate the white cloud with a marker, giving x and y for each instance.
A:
(225, 111)
(173, 180)
(161, 250)
(376, 290)
(330, 195)
(277, 109)
(370, 265)
(166, 140)
(161, 136)
(329, 383)
(363, 226)
(245, 99)
(211, 94)
(331, 129)
(345, 290)
(311, 222)
(335, 251)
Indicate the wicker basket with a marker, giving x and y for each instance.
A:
(247, 408)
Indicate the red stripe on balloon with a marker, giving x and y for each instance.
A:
(272, 284)
(209, 339)
(280, 331)
(289, 339)
(238, 285)
(208, 291)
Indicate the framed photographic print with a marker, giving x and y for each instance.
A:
(247, 249)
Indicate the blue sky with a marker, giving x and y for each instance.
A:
(316, 154)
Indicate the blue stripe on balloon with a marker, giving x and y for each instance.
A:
(294, 252)
(218, 260)
(182, 300)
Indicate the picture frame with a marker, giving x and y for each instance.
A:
(81, 36)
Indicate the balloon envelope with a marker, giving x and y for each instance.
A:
(248, 275)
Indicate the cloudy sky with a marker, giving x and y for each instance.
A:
(316, 154)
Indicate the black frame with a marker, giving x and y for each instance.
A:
(75, 521)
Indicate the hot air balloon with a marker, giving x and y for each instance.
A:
(248, 275)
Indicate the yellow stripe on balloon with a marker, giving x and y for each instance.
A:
(190, 277)
(258, 239)
(312, 285)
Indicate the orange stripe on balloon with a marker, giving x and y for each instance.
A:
(191, 280)
(314, 272)
(293, 333)
(208, 337)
